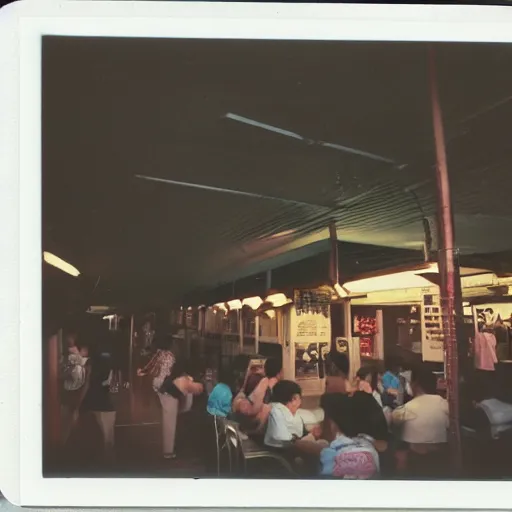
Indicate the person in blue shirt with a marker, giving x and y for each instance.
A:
(221, 397)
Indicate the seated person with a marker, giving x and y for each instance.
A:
(284, 424)
(423, 424)
(367, 380)
(348, 454)
(371, 420)
(337, 369)
(252, 403)
(221, 397)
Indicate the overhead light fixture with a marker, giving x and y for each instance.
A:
(271, 314)
(278, 299)
(109, 317)
(340, 291)
(253, 302)
(59, 263)
(98, 310)
(234, 304)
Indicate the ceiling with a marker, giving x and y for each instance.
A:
(117, 108)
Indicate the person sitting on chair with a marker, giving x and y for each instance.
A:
(346, 453)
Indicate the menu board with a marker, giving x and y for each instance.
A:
(432, 345)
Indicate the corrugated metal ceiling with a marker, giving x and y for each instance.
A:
(113, 109)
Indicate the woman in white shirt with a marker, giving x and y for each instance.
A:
(423, 424)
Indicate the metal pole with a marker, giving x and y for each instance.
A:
(130, 366)
(257, 334)
(333, 262)
(241, 331)
(447, 267)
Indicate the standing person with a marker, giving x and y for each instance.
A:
(97, 398)
(160, 367)
(176, 395)
(74, 379)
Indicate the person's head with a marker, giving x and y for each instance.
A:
(288, 393)
(337, 364)
(163, 342)
(423, 381)
(83, 350)
(339, 416)
(395, 365)
(368, 374)
(273, 368)
(71, 339)
(226, 376)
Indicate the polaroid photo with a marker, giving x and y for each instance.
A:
(200, 198)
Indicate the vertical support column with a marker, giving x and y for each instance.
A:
(333, 260)
(446, 267)
(268, 280)
(130, 360)
(241, 331)
(354, 353)
(257, 334)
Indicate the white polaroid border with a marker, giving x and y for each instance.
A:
(24, 23)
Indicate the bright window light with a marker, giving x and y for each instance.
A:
(56, 262)
(253, 302)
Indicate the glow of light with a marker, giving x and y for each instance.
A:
(271, 314)
(278, 299)
(395, 281)
(340, 290)
(234, 304)
(466, 304)
(288, 232)
(201, 306)
(109, 317)
(96, 310)
(57, 262)
(221, 305)
(189, 308)
(253, 302)
(468, 311)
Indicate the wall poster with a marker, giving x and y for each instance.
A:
(432, 339)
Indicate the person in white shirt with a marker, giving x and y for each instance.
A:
(423, 423)
(284, 424)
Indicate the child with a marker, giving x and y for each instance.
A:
(349, 455)
(74, 369)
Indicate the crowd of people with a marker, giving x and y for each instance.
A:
(388, 424)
